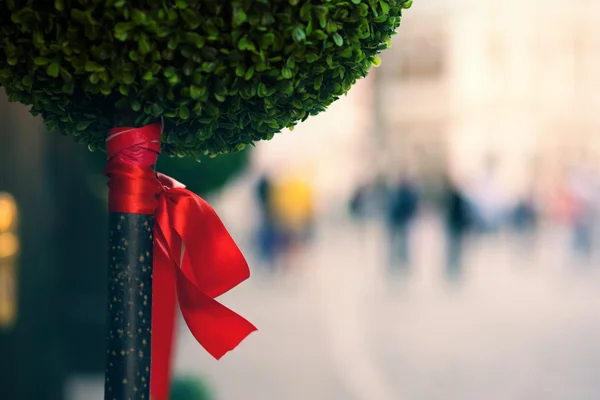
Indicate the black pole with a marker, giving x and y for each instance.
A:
(129, 307)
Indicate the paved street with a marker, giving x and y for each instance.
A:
(520, 326)
(519, 323)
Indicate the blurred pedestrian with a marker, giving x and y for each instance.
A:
(294, 213)
(358, 202)
(267, 235)
(403, 207)
(583, 186)
(457, 222)
(524, 216)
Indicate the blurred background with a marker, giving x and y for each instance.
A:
(434, 235)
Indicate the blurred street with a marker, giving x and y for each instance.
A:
(334, 328)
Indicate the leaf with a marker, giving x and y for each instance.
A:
(286, 73)
(246, 44)
(144, 46)
(385, 7)
(138, 17)
(337, 38)
(298, 34)
(41, 61)
(91, 66)
(83, 125)
(53, 70)
(240, 70)
(156, 109)
(305, 11)
(162, 31)
(239, 17)
(195, 39)
(191, 18)
(135, 105)
(184, 112)
(196, 92)
(5, 73)
(267, 40)
(249, 73)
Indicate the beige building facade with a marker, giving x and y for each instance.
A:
(516, 81)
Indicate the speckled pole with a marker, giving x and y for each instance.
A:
(129, 307)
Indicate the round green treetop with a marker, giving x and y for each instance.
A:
(220, 73)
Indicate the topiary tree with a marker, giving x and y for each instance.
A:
(185, 77)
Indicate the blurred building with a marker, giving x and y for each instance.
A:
(512, 80)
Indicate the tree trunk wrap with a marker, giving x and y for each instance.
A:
(131, 240)
(129, 306)
(166, 245)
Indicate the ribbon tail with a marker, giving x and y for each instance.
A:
(217, 328)
(164, 307)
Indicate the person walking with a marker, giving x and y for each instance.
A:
(403, 207)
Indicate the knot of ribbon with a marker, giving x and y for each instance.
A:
(195, 258)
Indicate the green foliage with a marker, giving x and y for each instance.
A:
(208, 175)
(221, 73)
(190, 389)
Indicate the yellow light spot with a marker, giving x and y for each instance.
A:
(124, 381)
(9, 244)
(8, 212)
(141, 258)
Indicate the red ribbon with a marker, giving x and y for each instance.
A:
(195, 258)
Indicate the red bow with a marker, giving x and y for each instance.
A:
(195, 258)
